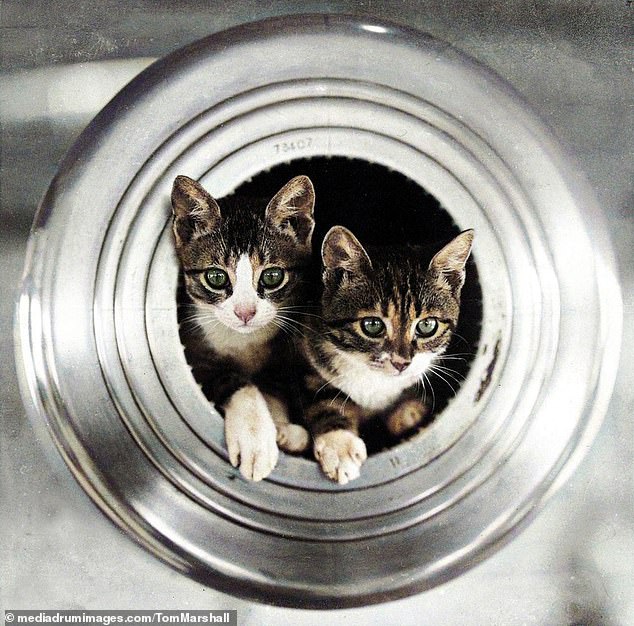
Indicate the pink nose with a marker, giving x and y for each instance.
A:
(399, 366)
(245, 313)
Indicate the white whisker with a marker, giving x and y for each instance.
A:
(291, 321)
(329, 382)
(343, 406)
(333, 400)
(453, 374)
(433, 395)
(432, 370)
(420, 383)
(455, 334)
(284, 327)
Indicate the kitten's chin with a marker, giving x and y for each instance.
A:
(243, 330)
(247, 329)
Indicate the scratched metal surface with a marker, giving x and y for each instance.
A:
(571, 61)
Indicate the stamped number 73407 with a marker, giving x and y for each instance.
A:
(291, 146)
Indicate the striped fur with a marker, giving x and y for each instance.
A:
(231, 332)
(353, 376)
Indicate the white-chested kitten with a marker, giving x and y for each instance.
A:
(243, 262)
(386, 315)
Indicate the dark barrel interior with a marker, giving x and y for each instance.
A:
(383, 207)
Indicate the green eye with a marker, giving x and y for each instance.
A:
(216, 278)
(272, 277)
(427, 327)
(372, 326)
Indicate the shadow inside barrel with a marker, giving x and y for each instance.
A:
(383, 207)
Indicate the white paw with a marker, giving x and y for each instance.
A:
(292, 438)
(340, 454)
(250, 434)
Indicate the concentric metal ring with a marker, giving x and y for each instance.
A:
(107, 372)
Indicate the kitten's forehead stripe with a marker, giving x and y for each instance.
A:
(412, 311)
(257, 258)
(403, 293)
(391, 312)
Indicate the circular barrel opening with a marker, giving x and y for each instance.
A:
(384, 207)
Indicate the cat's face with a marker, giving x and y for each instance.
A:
(243, 262)
(390, 311)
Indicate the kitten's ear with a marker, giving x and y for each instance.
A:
(449, 263)
(195, 212)
(342, 250)
(291, 210)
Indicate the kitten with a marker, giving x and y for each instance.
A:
(386, 314)
(242, 267)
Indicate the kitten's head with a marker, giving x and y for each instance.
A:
(392, 310)
(243, 261)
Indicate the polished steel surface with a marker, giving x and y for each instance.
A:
(98, 347)
(559, 226)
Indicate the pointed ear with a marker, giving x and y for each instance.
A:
(291, 210)
(342, 250)
(194, 211)
(449, 263)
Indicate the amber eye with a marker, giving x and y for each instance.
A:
(427, 327)
(272, 277)
(372, 326)
(215, 278)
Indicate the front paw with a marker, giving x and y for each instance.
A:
(250, 434)
(340, 454)
(292, 438)
(406, 416)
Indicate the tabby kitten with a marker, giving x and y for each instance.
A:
(242, 266)
(386, 314)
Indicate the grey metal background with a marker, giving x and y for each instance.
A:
(571, 61)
